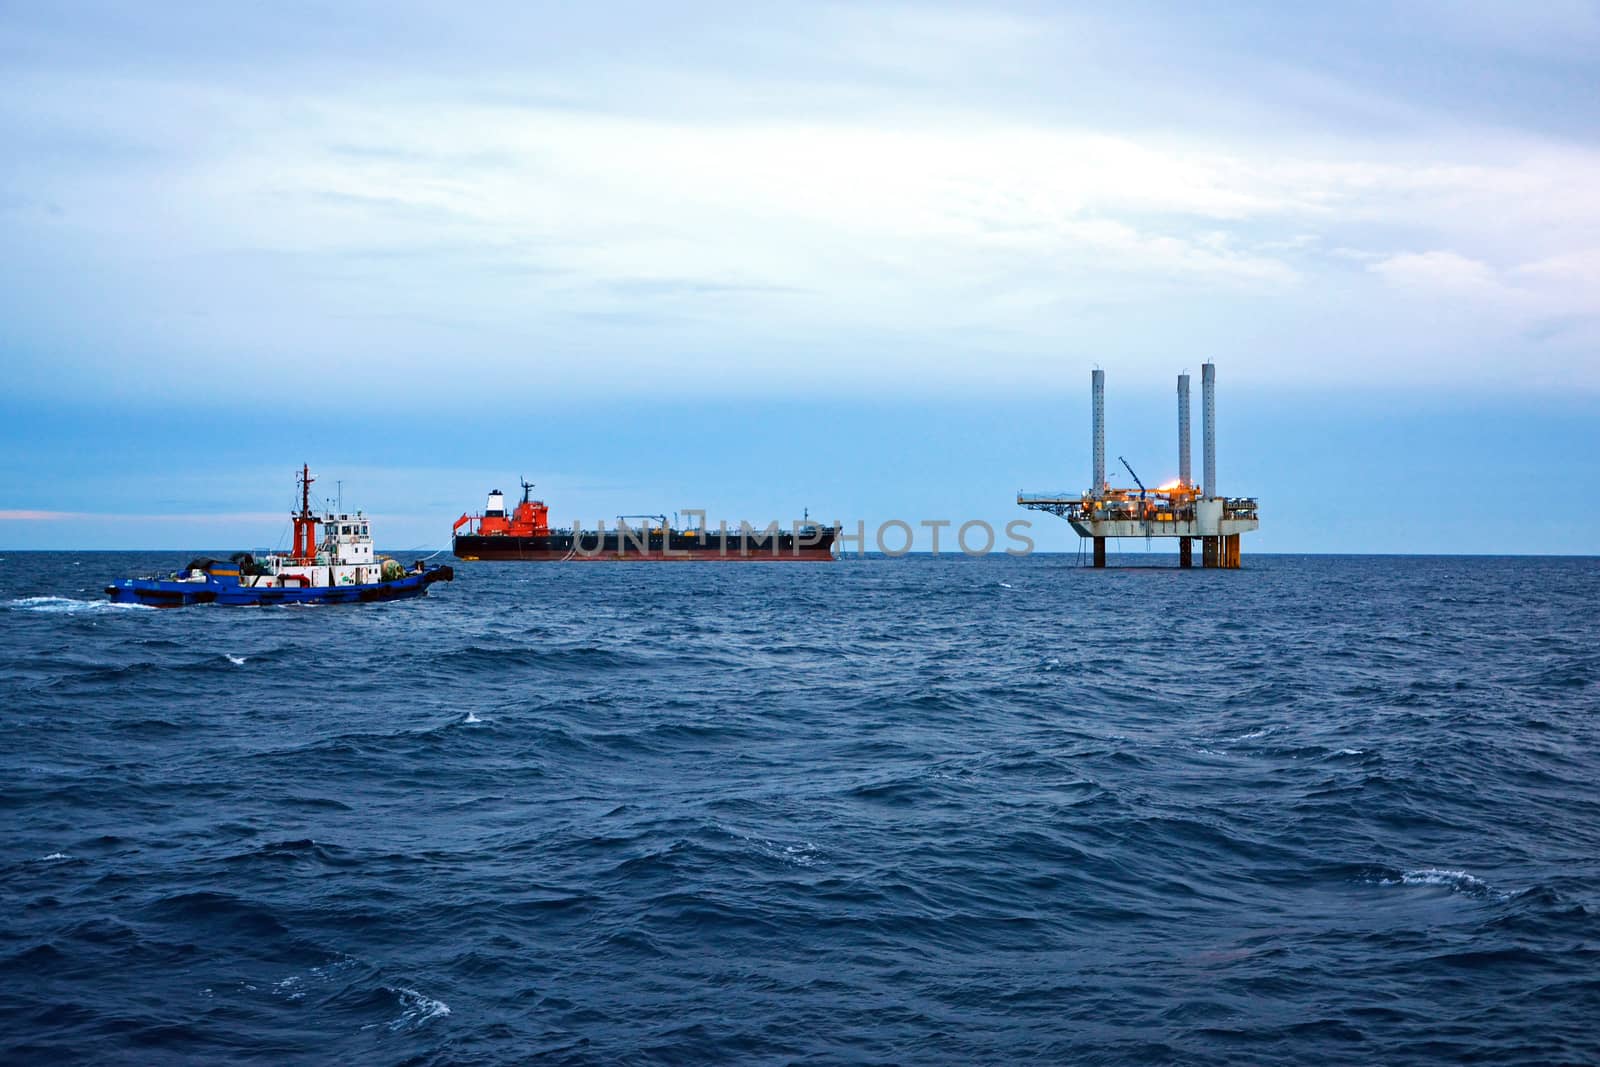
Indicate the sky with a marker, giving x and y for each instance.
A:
(856, 258)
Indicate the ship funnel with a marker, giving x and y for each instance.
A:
(1183, 431)
(1208, 429)
(1097, 379)
(497, 505)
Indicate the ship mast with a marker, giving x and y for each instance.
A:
(305, 524)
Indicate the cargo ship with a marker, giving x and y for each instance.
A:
(525, 534)
(331, 562)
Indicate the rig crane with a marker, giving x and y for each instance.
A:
(1136, 480)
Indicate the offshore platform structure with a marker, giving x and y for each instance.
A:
(1180, 508)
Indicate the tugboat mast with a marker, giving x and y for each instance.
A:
(305, 523)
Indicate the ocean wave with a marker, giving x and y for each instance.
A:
(583, 658)
(219, 912)
(297, 851)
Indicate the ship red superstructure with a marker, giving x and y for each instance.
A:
(530, 519)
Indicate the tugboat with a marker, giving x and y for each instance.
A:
(332, 562)
(525, 534)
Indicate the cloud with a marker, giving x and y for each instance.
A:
(1544, 298)
(1579, 268)
(1447, 272)
(864, 196)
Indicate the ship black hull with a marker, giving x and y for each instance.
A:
(677, 547)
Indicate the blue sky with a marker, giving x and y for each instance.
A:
(859, 258)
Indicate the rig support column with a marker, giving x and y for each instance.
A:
(1209, 556)
(1208, 426)
(1183, 431)
(1097, 379)
(1100, 551)
(1185, 552)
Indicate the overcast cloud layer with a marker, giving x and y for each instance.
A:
(762, 258)
(828, 198)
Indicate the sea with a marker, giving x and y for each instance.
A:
(1323, 809)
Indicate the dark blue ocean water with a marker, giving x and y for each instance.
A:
(918, 810)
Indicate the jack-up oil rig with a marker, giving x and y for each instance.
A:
(1178, 509)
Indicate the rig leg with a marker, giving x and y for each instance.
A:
(1100, 552)
(1209, 556)
(1230, 552)
(1185, 552)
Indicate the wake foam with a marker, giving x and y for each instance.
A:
(237, 661)
(65, 605)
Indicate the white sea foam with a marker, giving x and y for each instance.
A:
(54, 857)
(237, 661)
(416, 1009)
(1435, 876)
(800, 853)
(471, 719)
(803, 855)
(296, 986)
(1350, 752)
(1455, 881)
(1006, 585)
(65, 605)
